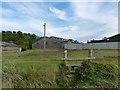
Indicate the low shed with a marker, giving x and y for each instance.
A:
(9, 47)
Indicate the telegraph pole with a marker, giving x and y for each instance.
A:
(44, 35)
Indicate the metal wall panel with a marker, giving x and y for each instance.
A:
(107, 45)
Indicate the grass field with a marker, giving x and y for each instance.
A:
(36, 69)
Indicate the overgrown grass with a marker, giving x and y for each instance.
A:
(27, 70)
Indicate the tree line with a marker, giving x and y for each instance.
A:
(24, 40)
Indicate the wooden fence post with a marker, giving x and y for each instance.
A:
(90, 53)
(65, 54)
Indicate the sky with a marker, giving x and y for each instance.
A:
(79, 20)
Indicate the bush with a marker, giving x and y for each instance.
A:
(61, 78)
(85, 72)
(94, 74)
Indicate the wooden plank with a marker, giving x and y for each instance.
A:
(73, 65)
(72, 72)
(87, 58)
(69, 76)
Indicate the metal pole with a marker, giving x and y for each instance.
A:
(44, 35)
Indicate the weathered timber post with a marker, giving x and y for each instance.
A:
(90, 53)
(20, 49)
(65, 54)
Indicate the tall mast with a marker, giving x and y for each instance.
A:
(44, 35)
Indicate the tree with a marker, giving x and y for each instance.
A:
(24, 40)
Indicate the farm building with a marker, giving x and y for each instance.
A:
(106, 43)
(52, 42)
(115, 38)
(9, 47)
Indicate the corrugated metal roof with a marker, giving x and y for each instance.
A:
(11, 44)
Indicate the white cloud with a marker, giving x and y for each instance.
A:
(60, 1)
(73, 32)
(91, 11)
(10, 25)
(93, 0)
(22, 1)
(25, 10)
(30, 26)
(58, 13)
(0, 11)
